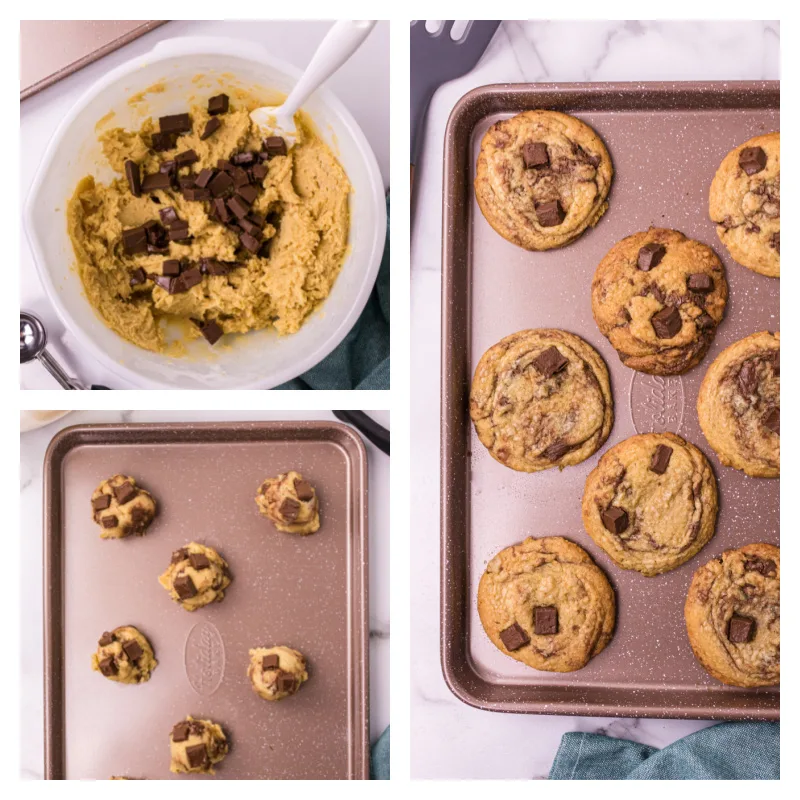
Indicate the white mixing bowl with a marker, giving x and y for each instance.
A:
(261, 359)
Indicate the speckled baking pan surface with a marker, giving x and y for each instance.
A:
(666, 141)
(308, 592)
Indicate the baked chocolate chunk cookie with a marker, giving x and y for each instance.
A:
(196, 745)
(542, 178)
(545, 603)
(197, 575)
(745, 202)
(290, 502)
(121, 508)
(733, 616)
(651, 502)
(124, 655)
(739, 405)
(658, 298)
(541, 398)
(276, 672)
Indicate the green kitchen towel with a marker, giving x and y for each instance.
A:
(729, 751)
(379, 758)
(361, 361)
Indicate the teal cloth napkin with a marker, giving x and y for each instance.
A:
(729, 751)
(361, 361)
(379, 760)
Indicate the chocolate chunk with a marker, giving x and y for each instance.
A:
(125, 493)
(700, 282)
(303, 490)
(667, 322)
(212, 266)
(550, 361)
(134, 240)
(660, 460)
(102, 502)
(240, 177)
(163, 281)
(186, 158)
(514, 637)
(218, 104)
(180, 555)
(256, 219)
(188, 279)
(250, 227)
(550, 214)
(155, 181)
(534, 154)
(168, 215)
(220, 209)
(108, 666)
(221, 183)
(179, 232)
(140, 518)
(250, 243)
(180, 732)
(133, 650)
(196, 194)
(171, 268)
(260, 172)
(741, 629)
(615, 519)
(106, 639)
(545, 620)
(168, 167)
(186, 182)
(109, 522)
(556, 451)
(133, 174)
(175, 123)
(211, 330)
(249, 193)
(704, 322)
(196, 756)
(286, 683)
(199, 561)
(238, 206)
(772, 420)
(163, 141)
(763, 566)
(650, 256)
(243, 159)
(138, 276)
(225, 165)
(270, 662)
(204, 178)
(752, 160)
(775, 241)
(289, 509)
(212, 126)
(275, 146)
(184, 587)
(748, 380)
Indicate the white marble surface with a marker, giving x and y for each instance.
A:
(450, 739)
(32, 449)
(362, 84)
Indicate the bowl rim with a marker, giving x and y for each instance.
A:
(250, 51)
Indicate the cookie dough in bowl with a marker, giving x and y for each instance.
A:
(171, 80)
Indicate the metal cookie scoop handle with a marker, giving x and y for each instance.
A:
(33, 345)
(342, 40)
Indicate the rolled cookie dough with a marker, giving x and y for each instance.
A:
(196, 745)
(122, 508)
(124, 655)
(301, 211)
(197, 576)
(276, 672)
(290, 502)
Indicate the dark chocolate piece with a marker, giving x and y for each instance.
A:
(238, 206)
(125, 493)
(248, 226)
(196, 756)
(106, 639)
(650, 256)
(550, 214)
(752, 160)
(303, 490)
(221, 183)
(748, 380)
(250, 243)
(700, 282)
(212, 126)
(134, 240)
(660, 460)
(108, 666)
(286, 683)
(772, 420)
(534, 154)
(514, 637)
(175, 123)
(545, 620)
(221, 210)
(741, 629)
(550, 361)
(704, 322)
(260, 171)
(155, 181)
(102, 502)
(179, 233)
(241, 177)
(187, 158)
(186, 182)
(243, 159)
(171, 268)
(133, 650)
(180, 732)
(196, 194)
(179, 555)
(667, 322)
(199, 561)
(184, 587)
(109, 522)
(615, 519)
(138, 276)
(289, 509)
(133, 174)
(775, 241)
(218, 104)
(270, 662)
(764, 566)
(163, 281)
(168, 215)
(204, 178)
(249, 193)
(225, 165)
(162, 142)
(275, 146)
(188, 279)
(556, 451)
(211, 330)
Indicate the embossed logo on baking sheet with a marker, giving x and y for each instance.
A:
(656, 403)
(204, 658)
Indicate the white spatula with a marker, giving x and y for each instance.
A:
(342, 40)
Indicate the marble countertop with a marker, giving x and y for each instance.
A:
(33, 445)
(362, 84)
(452, 740)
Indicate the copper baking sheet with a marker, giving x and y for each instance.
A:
(307, 592)
(666, 141)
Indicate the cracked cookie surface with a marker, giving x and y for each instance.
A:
(124, 655)
(739, 405)
(745, 203)
(542, 178)
(658, 297)
(667, 494)
(541, 398)
(197, 575)
(196, 745)
(276, 672)
(544, 602)
(733, 616)
(121, 508)
(290, 502)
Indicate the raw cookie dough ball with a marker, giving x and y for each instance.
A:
(542, 178)
(540, 399)
(658, 298)
(276, 672)
(545, 603)
(733, 616)
(122, 508)
(745, 202)
(195, 745)
(290, 502)
(124, 655)
(651, 502)
(197, 576)
(739, 405)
